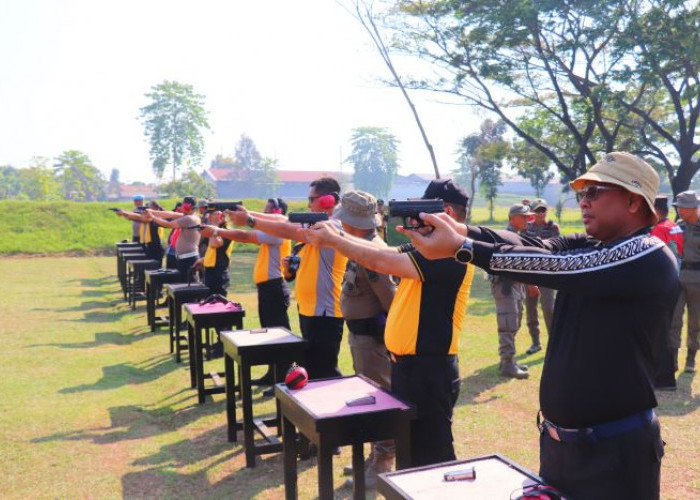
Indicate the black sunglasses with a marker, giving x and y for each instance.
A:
(591, 193)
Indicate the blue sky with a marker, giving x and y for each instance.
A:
(296, 77)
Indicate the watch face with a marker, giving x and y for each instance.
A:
(463, 256)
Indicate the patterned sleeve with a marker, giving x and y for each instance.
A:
(633, 267)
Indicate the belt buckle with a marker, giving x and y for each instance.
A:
(552, 431)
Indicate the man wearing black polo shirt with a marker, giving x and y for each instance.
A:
(422, 329)
(599, 437)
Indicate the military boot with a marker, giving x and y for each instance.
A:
(690, 361)
(382, 462)
(510, 369)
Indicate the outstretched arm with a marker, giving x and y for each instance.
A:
(382, 260)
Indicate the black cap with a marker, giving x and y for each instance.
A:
(446, 190)
(661, 202)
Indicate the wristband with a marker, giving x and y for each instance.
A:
(251, 221)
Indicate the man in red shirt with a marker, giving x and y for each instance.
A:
(666, 230)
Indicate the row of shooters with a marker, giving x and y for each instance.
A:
(595, 273)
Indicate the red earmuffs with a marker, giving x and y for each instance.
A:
(297, 377)
(187, 207)
(328, 200)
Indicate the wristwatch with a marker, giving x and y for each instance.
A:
(465, 253)
(216, 233)
(251, 221)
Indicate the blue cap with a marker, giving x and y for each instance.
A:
(137, 197)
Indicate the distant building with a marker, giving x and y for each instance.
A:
(127, 191)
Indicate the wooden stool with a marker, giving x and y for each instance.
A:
(200, 317)
(265, 346)
(320, 412)
(179, 294)
(155, 279)
(135, 279)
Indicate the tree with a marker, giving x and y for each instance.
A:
(191, 183)
(481, 157)
(374, 157)
(260, 173)
(594, 69)
(39, 182)
(114, 187)
(10, 183)
(78, 178)
(173, 122)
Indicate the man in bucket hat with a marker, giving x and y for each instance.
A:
(687, 205)
(365, 300)
(616, 288)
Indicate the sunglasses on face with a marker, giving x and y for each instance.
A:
(591, 193)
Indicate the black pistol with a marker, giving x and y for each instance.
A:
(223, 205)
(307, 218)
(113, 209)
(410, 209)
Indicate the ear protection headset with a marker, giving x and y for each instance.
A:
(187, 207)
(539, 492)
(329, 200)
(276, 209)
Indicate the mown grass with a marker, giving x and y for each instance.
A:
(89, 228)
(94, 406)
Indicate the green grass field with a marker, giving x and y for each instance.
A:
(94, 406)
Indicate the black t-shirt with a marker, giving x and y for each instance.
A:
(612, 313)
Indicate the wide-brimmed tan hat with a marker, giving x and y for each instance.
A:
(357, 209)
(627, 171)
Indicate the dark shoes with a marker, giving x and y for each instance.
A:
(690, 361)
(508, 368)
(269, 392)
(217, 350)
(533, 349)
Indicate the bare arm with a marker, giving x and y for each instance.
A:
(232, 234)
(381, 260)
(165, 214)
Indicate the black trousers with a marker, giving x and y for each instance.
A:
(431, 383)
(154, 251)
(273, 301)
(216, 279)
(170, 261)
(624, 466)
(324, 334)
(184, 265)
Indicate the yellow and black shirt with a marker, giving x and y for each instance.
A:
(319, 280)
(427, 314)
(273, 250)
(218, 258)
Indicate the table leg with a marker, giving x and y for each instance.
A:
(358, 468)
(150, 307)
(192, 356)
(325, 469)
(403, 445)
(230, 398)
(290, 459)
(177, 318)
(247, 403)
(171, 315)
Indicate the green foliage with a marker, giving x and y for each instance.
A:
(173, 122)
(258, 172)
(191, 183)
(374, 157)
(572, 78)
(79, 179)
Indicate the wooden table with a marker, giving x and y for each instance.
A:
(496, 477)
(124, 257)
(136, 279)
(200, 317)
(155, 279)
(320, 412)
(266, 346)
(177, 295)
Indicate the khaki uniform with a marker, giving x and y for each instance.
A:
(547, 295)
(509, 296)
(690, 290)
(365, 300)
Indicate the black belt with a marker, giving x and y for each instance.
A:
(692, 266)
(370, 327)
(595, 432)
